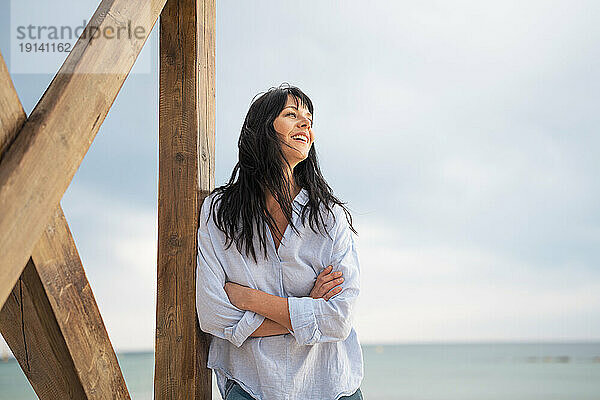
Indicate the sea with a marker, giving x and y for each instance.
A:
(499, 371)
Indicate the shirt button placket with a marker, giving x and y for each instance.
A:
(280, 273)
(286, 382)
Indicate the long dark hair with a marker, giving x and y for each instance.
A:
(261, 167)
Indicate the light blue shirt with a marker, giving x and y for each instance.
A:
(322, 358)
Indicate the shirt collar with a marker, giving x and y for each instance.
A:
(302, 197)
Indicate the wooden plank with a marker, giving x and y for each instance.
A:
(186, 175)
(71, 299)
(51, 321)
(42, 160)
(30, 329)
(12, 115)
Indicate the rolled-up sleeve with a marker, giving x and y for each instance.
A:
(216, 315)
(318, 320)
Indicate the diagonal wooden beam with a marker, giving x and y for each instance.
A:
(51, 320)
(186, 175)
(12, 115)
(36, 341)
(43, 158)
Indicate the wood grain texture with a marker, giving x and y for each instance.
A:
(186, 175)
(68, 291)
(51, 320)
(29, 327)
(40, 163)
(12, 115)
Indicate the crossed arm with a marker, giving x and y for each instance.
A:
(275, 309)
(269, 328)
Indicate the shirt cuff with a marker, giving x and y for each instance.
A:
(238, 333)
(304, 321)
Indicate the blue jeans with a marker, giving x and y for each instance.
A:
(233, 391)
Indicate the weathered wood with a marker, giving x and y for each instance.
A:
(30, 329)
(27, 321)
(51, 321)
(186, 175)
(42, 160)
(12, 115)
(69, 293)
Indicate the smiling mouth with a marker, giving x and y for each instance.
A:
(300, 138)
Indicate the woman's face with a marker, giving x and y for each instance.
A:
(294, 126)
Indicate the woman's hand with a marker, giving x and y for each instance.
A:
(238, 294)
(326, 285)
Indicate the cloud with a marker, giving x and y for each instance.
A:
(117, 243)
(449, 293)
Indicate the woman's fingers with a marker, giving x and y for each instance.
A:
(332, 292)
(331, 284)
(325, 271)
(328, 275)
(326, 282)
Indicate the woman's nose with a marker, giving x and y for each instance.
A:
(304, 122)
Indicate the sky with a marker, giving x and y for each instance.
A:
(462, 135)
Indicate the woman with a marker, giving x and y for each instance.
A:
(281, 318)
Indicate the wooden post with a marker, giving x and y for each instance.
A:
(51, 320)
(186, 175)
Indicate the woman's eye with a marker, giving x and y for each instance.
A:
(294, 114)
